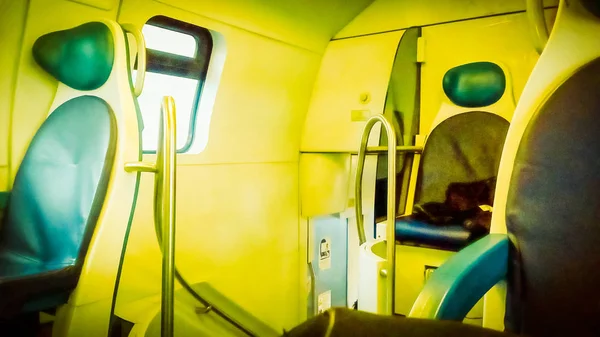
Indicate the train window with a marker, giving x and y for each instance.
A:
(177, 54)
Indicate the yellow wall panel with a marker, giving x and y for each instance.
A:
(324, 182)
(386, 15)
(501, 39)
(261, 102)
(12, 25)
(308, 24)
(237, 227)
(262, 94)
(107, 5)
(350, 69)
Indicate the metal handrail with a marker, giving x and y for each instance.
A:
(371, 150)
(537, 23)
(391, 151)
(391, 198)
(164, 209)
(141, 58)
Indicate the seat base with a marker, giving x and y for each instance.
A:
(37, 292)
(410, 231)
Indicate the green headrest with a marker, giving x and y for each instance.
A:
(80, 57)
(475, 84)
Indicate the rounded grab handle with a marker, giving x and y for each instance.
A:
(391, 198)
(537, 24)
(362, 152)
(141, 50)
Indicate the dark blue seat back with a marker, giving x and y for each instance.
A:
(463, 148)
(553, 215)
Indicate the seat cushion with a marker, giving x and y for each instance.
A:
(409, 230)
(34, 287)
(31, 285)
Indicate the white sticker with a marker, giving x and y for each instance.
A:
(325, 254)
(323, 301)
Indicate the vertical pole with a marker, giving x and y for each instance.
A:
(391, 216)
(391, 199)
(165, 162)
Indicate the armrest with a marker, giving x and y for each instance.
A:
(456, 286)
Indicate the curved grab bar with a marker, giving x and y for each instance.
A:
(537, 24)
(141, 50)
(362, 152)
(391, 198)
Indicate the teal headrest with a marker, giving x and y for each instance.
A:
(475, 84)
(80, 57)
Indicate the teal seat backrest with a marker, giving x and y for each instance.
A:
(61, 184)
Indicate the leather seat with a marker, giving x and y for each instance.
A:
(464, 145)
(545, 228)
(55, 202)
(409, 230)
(62, 198)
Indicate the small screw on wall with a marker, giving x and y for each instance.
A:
(365, 98)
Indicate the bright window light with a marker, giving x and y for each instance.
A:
(177, 55)
(169, 41)
(156, 86)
